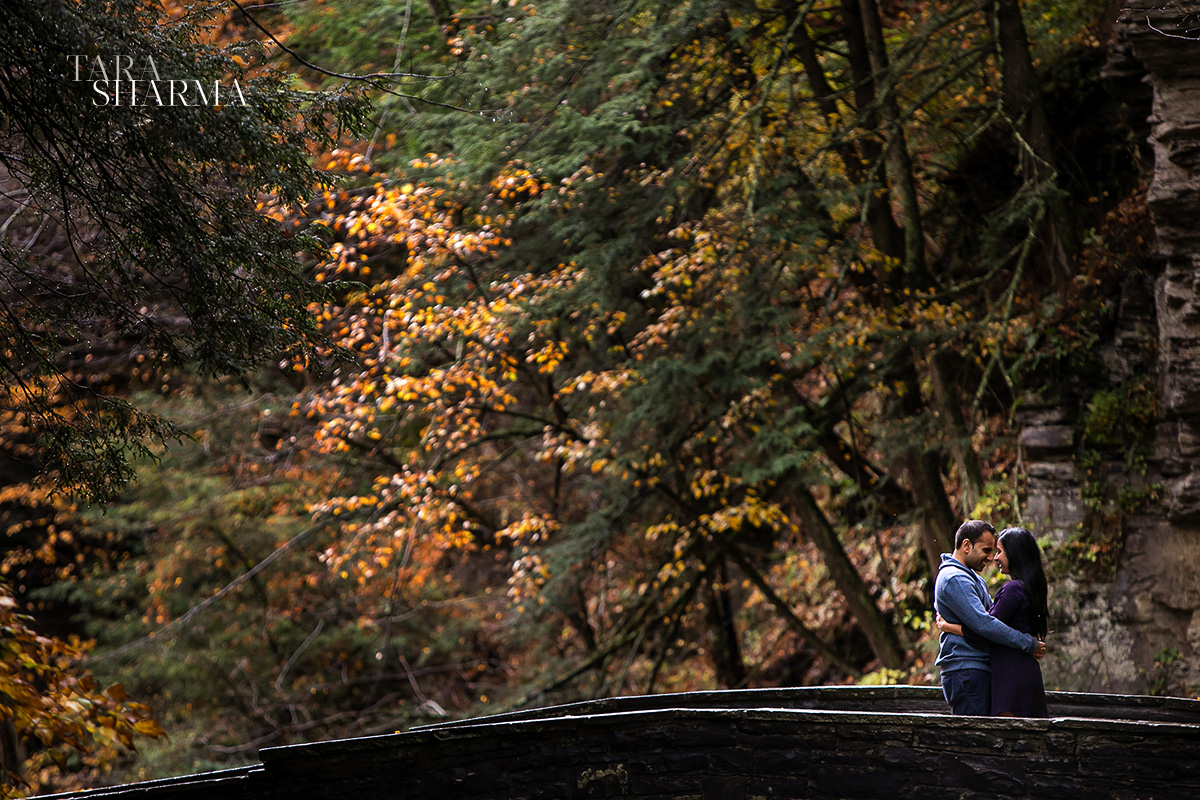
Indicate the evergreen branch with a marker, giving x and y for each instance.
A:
(375, 80)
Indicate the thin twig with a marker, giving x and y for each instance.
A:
(173, 627)
(312, 637)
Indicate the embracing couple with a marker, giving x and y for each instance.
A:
(989, 651)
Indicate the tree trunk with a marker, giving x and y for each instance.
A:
(12, 757)
(823, 651)
(1021, 97)
(1020, 93)
(878, 630)
(726, 647)
(961, 449)
(935, 514)
(864, 29)
(864, 164)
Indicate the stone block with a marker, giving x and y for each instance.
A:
(811, 738)
(673, 761)
(739, 760)
(473, 779)
(1187, 439)
(959, 740)
(1180, 391)
(1165, 453)
(863, 784)
(652, 736)
(1028, 746)
(1181, 496)
(1047, 440)
(908, 760)
(1097, 750)
(1001, 776)
(1146, 772)
(1051, 785)
(537, 787)
(780, 762)
(1033, 413)
(779, 742)
(778, 787)
(872, 739)
(674, 784)
(1054, 472)
(723, 787)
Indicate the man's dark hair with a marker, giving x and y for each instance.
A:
(971, 530)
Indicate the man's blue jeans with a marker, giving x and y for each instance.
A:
(968, 691)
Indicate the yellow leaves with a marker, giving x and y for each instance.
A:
(710, 483)
(549, 356)
(669, 572)
(517, 183)
(528, 530)
(48, 699)
(149, 728)
(669, 529)
(529, 575)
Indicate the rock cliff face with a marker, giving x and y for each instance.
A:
(1134, 627)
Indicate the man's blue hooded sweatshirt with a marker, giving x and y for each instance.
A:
(961, 596)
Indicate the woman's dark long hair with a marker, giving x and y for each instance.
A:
(1025, 565)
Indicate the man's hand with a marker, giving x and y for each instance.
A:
(1040, 650)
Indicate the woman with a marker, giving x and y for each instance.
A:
(1017, 688)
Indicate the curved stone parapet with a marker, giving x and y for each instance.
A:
(900, 699)
(816, 744)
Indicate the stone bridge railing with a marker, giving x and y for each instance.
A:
(835, 742)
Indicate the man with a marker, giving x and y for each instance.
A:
(961, 596)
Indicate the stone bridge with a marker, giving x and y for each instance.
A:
(800, 744)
